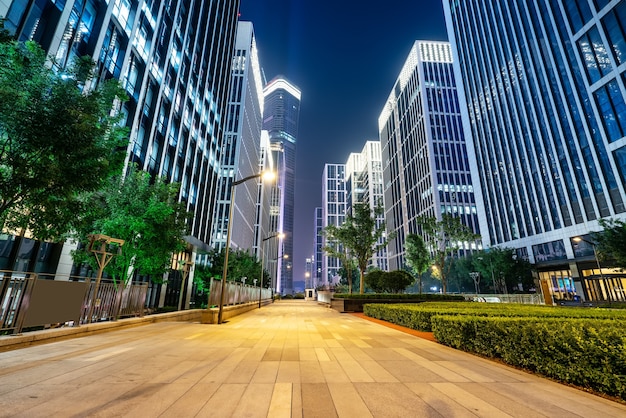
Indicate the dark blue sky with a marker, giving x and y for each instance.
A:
(345, 56)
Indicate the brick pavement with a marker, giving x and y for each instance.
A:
(289, 359)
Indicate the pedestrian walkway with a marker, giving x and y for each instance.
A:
(289, 359)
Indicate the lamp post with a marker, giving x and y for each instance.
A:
(280, 235)
(595, 255)
(266, 176)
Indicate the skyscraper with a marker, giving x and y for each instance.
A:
(426, 170)
(241, 153)
(333, 213)
(364, 184)
(318, 247)
(177, 78)
(546, 107)
(280, 119)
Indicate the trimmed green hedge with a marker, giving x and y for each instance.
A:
(589, 353)
(412, 296)
(419, 316)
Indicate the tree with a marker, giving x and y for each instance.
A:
(417, 256)
(375, 280)
(145, 213)
(349, 273)
(361, 235)
(503, 269)
(240, 264)
(611, 242)
(388, 282)
(57, 140)
(5, 35)
(444, 239)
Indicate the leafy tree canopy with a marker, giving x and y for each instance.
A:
(144, 213)
(361, 235)
(611, 242)
(388, 282)
(240, 264)
(56, 140)
(417, 256)
(444, 238)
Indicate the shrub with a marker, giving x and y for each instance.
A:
(589, 353)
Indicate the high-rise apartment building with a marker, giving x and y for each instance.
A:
(426, 169)
(333, 213)
(280, 119)
(364, 184)
(318, 247)
(174, 60)
(241, 152)
(545, 86)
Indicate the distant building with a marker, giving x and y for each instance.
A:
(364, 184)
(177, 78)
(280, 119)
(333, 213)
(426, 168)
(318, 245)
(545, 102)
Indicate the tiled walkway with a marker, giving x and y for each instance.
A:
(289, 359)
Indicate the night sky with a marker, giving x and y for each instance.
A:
(345, 57)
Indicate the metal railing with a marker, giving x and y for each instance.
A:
(526, 298)
(236, 293)
(27, 300)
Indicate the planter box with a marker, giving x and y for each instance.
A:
(356, 305)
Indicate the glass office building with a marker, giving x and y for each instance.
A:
(333, 213)
(545, 90)
(426, 169)
(364, 184)
(241, 153)
(280, 120)
(174, 60)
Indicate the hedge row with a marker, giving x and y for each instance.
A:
(419, 317)
(412, 296)
(589, 353)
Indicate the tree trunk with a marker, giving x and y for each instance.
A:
(362, 281)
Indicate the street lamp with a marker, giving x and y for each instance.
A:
(595, 255)
(267, 175)
(280, 235)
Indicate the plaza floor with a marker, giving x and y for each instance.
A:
(289, 359)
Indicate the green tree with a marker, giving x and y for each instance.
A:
(240, 264)
(57, 140)
(397, 281)
(5, 35)
(611, 241)
(360, 235)
(375, 280)
(349, 273)
(502, 269)
(417, 256)
(444, 239)
(145, 213)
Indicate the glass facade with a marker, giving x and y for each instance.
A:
(176, 76)
(545, 92)
(333, 213)
(280, 119)
(426, 164)
(241, 152)
(364, 184)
